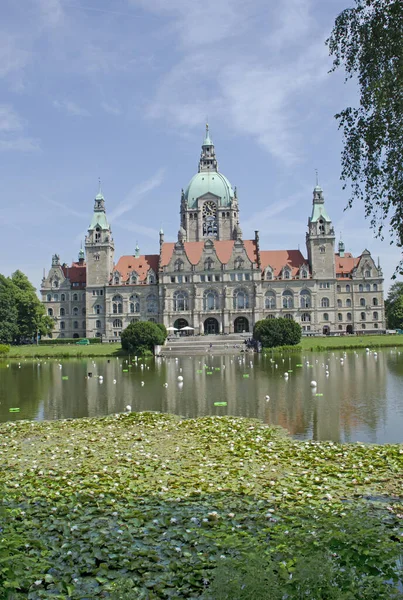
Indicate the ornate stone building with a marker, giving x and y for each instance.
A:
(211, 278)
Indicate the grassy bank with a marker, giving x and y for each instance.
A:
(352, 342)
(65, 351)
(159, 503)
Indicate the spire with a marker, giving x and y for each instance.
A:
(208, 161)
(342, 247)
(137, 251)
(81, 254)
(318, 208)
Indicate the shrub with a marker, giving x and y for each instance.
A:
(4, 349)
(277, 332)
(163, 329)
(141, 337)
(61, 341)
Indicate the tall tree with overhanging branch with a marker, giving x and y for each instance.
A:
(367, 40)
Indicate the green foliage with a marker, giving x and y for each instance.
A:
(22, 315)
(367, 41)
(4, 349)
(277, 332)
(158, 507)
(394, 306)
(141, 337)
(163, 329)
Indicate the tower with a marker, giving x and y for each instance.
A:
(99, 246)
(209, 206)
(320, 239)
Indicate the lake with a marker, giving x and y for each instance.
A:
(360, 399)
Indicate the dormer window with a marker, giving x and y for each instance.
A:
(367, 273)
(151, 278)
(134, 279)
(286, 274)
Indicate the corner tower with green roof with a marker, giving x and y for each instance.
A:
(209, 205)
(320, 239)
(99, 246)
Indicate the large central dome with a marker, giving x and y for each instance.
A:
(209, 182)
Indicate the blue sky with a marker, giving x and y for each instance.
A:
(121, 89)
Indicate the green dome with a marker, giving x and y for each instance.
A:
(212, 182)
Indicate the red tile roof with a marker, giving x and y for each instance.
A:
(77, 273)
(142, 264)
(194, 251)
(345, 264)
(277, 259)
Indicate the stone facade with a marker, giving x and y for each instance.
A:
(211, 279)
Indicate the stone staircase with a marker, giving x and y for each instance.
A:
(204, 344)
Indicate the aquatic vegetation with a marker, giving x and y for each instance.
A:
(158, 502)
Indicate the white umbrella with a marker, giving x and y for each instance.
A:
(187, 328)
(172, 329)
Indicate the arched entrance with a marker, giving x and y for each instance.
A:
(349, 329)
(179, 323)
(75, 336)
(211, 326)
(241, 325)
(326, 330)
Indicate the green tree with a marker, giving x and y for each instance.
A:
(141, 337)
(8, 311)
(277, 332)
(367, 40)
(394, 306)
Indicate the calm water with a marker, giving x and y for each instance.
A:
(362, 396)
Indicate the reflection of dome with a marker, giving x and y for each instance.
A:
(212, 182)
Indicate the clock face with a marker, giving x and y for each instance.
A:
(209, 209)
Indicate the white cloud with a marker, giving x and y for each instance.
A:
(12, 137)
(51, 12)
(9, 119)
(112, 109)
(136, 193)
(71, 107)
(137, 228)
(20, 144)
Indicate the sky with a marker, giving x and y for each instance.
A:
(121, 90)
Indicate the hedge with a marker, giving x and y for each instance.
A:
(60, 341)
(4, 349)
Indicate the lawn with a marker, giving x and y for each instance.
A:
(156, 503)
(353, 341)
(64, 351)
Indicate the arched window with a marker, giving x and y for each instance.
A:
(241, 300)
(349, 317)
(325, 316)
(134, 320)
(270, 300)
(362, 301)
(50, 312)
(340, 317)
(363, 316)
(62, 312)
(321, 226)
(181, 301)
(238, 263)
(360, 288)
(286, 274)
(56, 297)
(83, 310)
(322, 250)
(208, 264)
(288, 299)
(375, 316)
(83, 325)
(117, 305)
(178, 265)
(98, 324)
(306, 318)
(117, 324)
(63, 298)
(116, 279)
(338, 288)
(133, 278)
(367, 287)
(62, 325)
(75, 297)
(305, 299)
(363, 326)
(375, 287)
(289, 316)
(98, 309)
(75, 325)
(49, 297)
(375, 301)
(339, 303)
(270, 317)
(325, 303)
(56, 283)
(367, 273)
(98, 234)
(75, 311)
(152, 303)
(304, 274)
(151, 278)
(348, 303)
(269, 274)
(210, 300)
(348, 289)
(134, 303)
